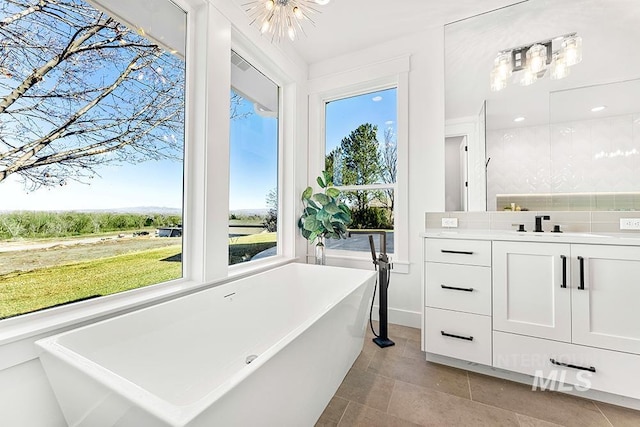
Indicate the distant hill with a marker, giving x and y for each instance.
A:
(249, 212)
(144, 210)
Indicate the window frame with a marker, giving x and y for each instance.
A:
(335, 87)
(240, 46)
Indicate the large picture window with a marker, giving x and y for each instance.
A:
(253, 181)
(91, 151)
(361, 155)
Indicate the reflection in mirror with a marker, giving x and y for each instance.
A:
(537, 148)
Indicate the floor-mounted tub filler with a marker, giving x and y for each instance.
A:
(266, 350)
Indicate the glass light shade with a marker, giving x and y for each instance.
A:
(291, 32)
(265, 27)
(572, 50)
(502, 64)
(536, 58)
(498, 80)
(269, 4)
(298, 13)
(528, 77)
(559, 68)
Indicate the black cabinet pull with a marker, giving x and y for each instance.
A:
(453, 288)
(564, 271)
(568, 365)
(447, 251)
(581, 286)
(460, 337)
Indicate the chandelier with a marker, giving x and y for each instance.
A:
(280, 17)
(530, 62)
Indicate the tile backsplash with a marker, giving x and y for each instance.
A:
(570, 221)
(579, 161)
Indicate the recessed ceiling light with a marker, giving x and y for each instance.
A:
(376, 99)
(518, 119)
(598, 108)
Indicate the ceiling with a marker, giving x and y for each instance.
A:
(345, 26)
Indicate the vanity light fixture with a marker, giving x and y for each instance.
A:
(598, 108)
(532, 61)
(282, 17)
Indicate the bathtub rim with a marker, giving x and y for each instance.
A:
(176, 414)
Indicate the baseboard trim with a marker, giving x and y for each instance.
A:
(401, 317)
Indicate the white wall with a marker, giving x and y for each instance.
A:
(453, 174)
(426, 152)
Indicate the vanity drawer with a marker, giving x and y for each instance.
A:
(615, 372)
(456, 251)
(459, 287)
(460, 335)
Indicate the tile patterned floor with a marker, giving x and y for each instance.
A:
(397, 387)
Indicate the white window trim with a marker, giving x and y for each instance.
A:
(255, 58)
(391, 74)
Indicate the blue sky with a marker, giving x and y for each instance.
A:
(253, 165)
(345, 115)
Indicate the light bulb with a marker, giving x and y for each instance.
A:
(528, 77)
(536, 58)
(265, 27)
(502, 64)
(269, 4)
(292, 33)
(298, 13)
(572, 50)
(559, 67)
(498, 80)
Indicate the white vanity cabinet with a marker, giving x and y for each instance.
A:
(458, 299)
(606, 297)
(557, 308)
(531, 293)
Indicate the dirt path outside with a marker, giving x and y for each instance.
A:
(28, 256)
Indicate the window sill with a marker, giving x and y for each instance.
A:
(355, 260)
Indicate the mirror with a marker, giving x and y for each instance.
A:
(562, 155)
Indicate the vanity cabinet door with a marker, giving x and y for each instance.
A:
(531, 294)
(606, 297)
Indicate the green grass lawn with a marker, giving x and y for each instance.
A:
(46, 287)
(26, 291)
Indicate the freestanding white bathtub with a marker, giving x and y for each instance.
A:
(183, 362)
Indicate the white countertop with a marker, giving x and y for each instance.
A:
(625, 239)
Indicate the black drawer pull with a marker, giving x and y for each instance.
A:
(447, 251)
(568, 365)
(564, 271)
(581, 286)
(456, 336)
(453, 288)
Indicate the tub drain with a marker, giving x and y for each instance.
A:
(251, 358)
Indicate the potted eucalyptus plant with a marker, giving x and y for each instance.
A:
(324, 215)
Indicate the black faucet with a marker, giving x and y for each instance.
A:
(539, 218)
